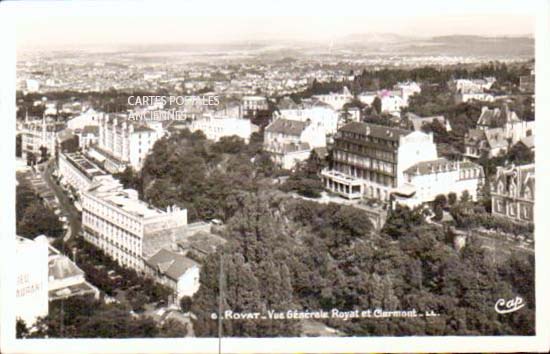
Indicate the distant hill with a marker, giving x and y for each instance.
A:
(441, 45)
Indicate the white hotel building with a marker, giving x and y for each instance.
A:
(78, 171)
(369, 159)
(126, 228)
(122, 142)
(31, 268)
(215, 127)
(426, 180)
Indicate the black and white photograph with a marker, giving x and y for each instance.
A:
(362, 173)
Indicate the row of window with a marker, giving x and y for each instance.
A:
(365, 162)
(108, 213)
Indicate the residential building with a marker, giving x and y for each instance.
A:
(425, 180)
(78, 171)
(65, 278)
(418, 122)
(513, 192)
(123, 143)
(40, 133)
(407, 89)
(252, 104)
(391, 101)
(175, 271)
(336, 100)
(471, 85)
(88, 118)
(87, 136)
(291, 141)
(369, 159)
(474, 96)
(126, 228)
(215, 127)
(31, 268)
(497, 130)
(317, 112)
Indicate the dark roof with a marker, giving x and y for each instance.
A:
(172, 264)
(142, 128)
(286, 126)
(374, 130)
(90, 129)
(287, 103)
(428, 167)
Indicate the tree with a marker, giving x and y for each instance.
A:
(185, 303)
(43, 153)
(172, 328)
(452, 198)
(21, 330)
(18, 145)
(465, 197)
(377, 105)
(31, 159)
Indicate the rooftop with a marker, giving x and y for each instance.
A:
(172, 264)
(287, 127)
(374, 130)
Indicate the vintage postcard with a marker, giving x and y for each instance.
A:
(261, 177)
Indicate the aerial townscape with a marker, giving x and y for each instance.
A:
(162, 189)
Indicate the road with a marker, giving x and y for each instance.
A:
(66, 205)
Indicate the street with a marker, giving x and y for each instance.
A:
(66, 205)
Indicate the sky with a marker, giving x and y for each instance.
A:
(58, 24)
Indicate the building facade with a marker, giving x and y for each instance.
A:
(324, 115)
(426, 180)
(369, 160)
(31, 297)
(496, 131)
(122, 142)
(175, 271)
(78, 171)
(291, 141)
(336, 100)
(126, 228)
(513, 192)
(40, 133)
(215, 127)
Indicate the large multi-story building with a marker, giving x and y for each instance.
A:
(31, 298)
(40, 133)
(78, 171)
(123, 143)
(126, 228)
(424, 181)
(291, 141)
(215, 127)
(513, 192)
(369, 160)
